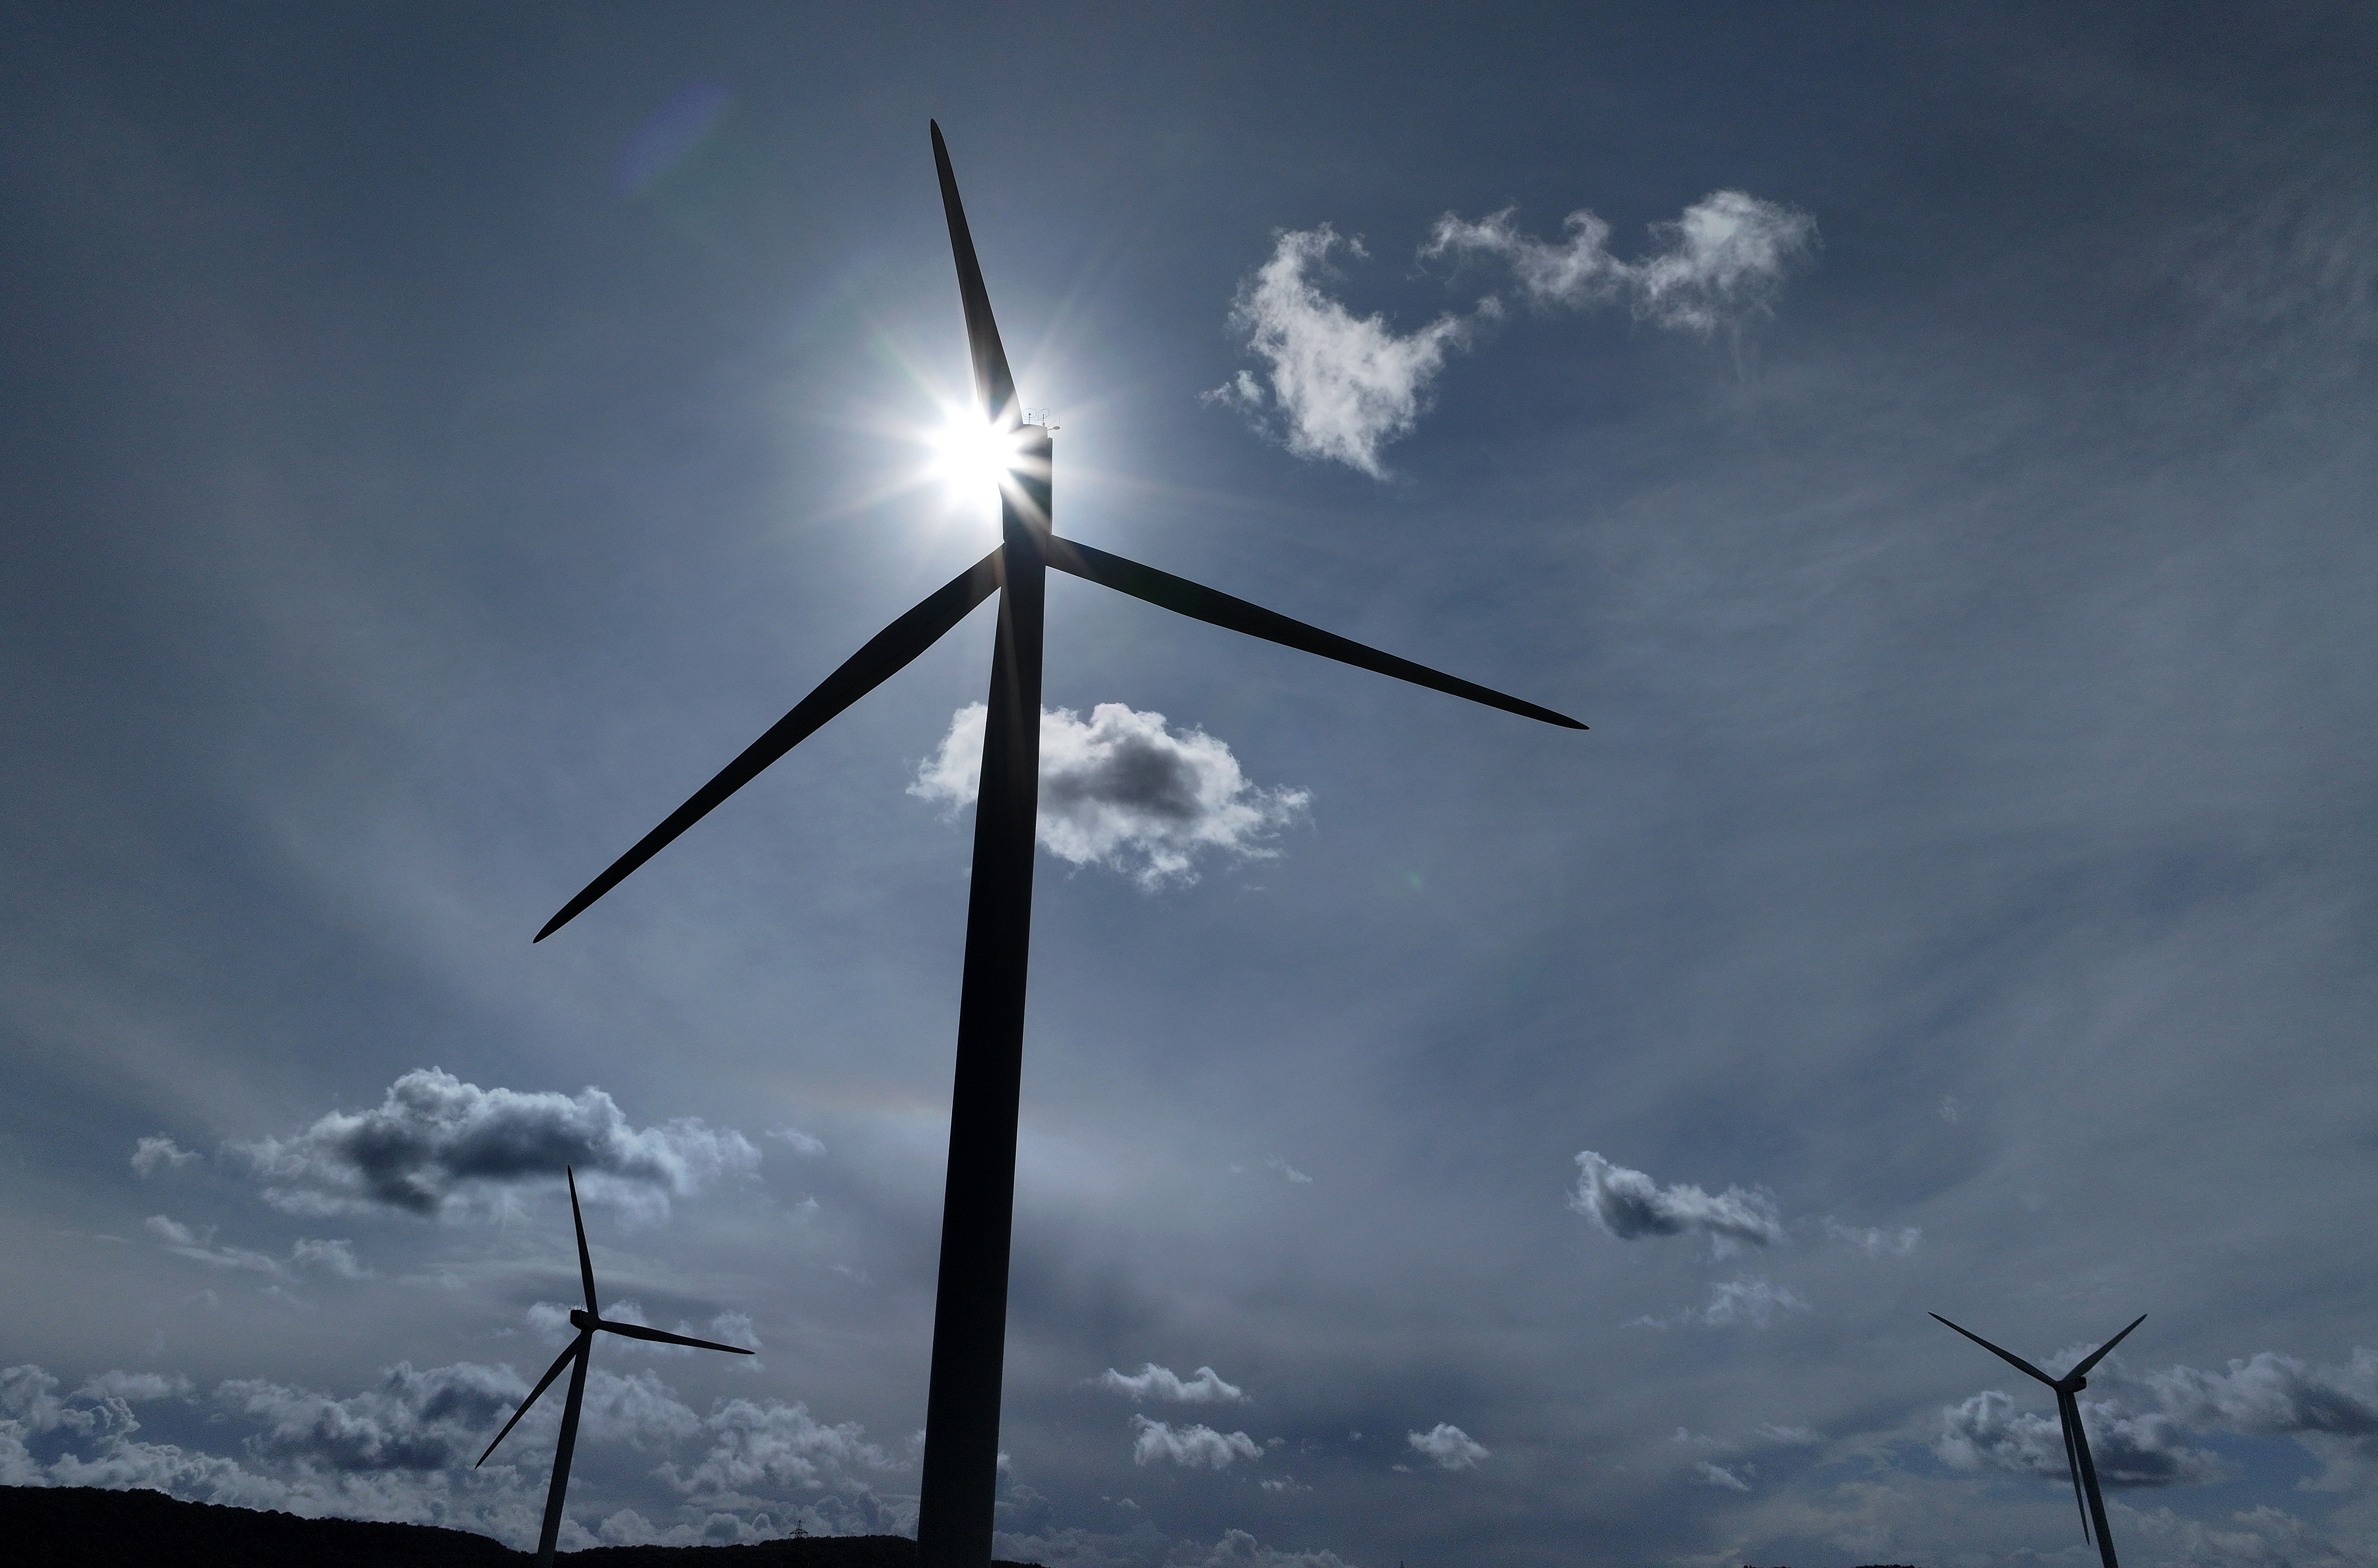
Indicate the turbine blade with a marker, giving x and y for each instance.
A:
(638, 1331)
(2099, 1354)
(882, 657)
(2006, 1355)
(542, 1384)
(992, 383)
(2068, 1416)
(585, 1263)
(1185, 597)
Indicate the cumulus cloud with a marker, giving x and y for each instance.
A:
(1124, 791)
(153, 1155)
(1152, 1382)
(1447, 1446)
(2330, 1411)
(435, 1144)
(1342, 385)
(1630, 1206)
(1720, 262)
(1195, 1447)
(404, 1449)
(2130, 1450)
(1873, 1241)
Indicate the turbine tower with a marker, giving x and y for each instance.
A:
(588, 1323)
(961, 1461)
(2067, 1415)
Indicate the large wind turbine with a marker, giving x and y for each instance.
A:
(588, 1323)
(961, 1459)
(2067, 1415)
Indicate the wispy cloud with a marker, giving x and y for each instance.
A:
(1630, 1205)
(1125, 790)
(1339, 387)
(153, 1155)
(1873, 1241)
(1447, 1446)
(1152, 1382)
(1719, 263)
(1747, 1298)
(1195, 1447)
(434, 1142)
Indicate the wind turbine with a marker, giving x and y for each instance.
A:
(961, 1460)
(2067, 1415)
(588, 1323)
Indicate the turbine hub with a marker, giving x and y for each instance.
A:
(579, 1318)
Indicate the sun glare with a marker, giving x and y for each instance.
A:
(971, 457)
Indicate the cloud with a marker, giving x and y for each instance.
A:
(2330, 1411)
(1339, 387)
(756, 1444)
(1448, 1446)
(153, 1154)
(1874, 1242)
(1152, 1382)
(1719, 1476)
(183, 1242)
(414, 1421)
(136, 1388)
(802, 1142)
(1342, 385)
(1124, 791)
(1747, 1298)
(436, 1142)
(1239, 1549)
(1288, 1170)
(1630, 1206)
(1196, 1447)
(1719, 263)
(1987, 1432)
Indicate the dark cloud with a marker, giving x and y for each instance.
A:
(1630, 1206)
(1990, 1430)
(435, 1142)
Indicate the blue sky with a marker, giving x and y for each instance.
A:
(439, 439)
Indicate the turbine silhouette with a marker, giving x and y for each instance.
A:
(2067, 1415)
(588, 1323)
(961, 1459)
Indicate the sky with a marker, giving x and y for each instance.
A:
(1931, 445)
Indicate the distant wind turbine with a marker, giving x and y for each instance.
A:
(2068, 1416)
(961, 1462)
(588, 1323)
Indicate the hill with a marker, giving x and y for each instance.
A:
(88, 1527)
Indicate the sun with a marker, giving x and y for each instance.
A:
(970, 456)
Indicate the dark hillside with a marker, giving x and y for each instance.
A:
(88, 1527)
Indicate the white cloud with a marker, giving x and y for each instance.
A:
(1794, 1437)
(1288, 1170)
(802, 1142)
(1720, 1476)
(153, 1155)
(1629, 1205)
(1448, 1446)
(183, 1242)
(1875, 1242)
(1195, 1447)
(330, 1257)
(1239, 1549)
(1152, 1382)
(1124, 791)
(435, 1142)
(1721, 261)
(1342, 386)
